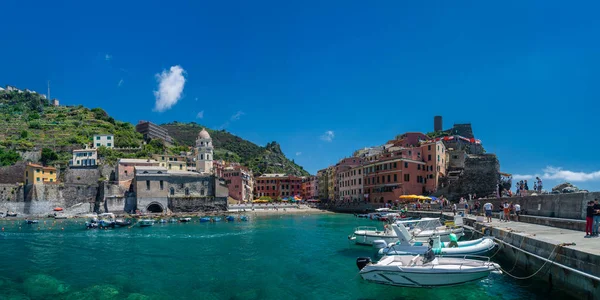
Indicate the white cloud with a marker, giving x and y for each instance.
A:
(107, 57)
(554, 173)
(237, 115)
(560, 174)
(120, 82)
(298, 153)
(170, 87)
(328, 136)
(200, 115)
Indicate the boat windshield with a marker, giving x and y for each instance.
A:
(428, 224)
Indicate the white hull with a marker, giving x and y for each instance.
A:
(444, 234)
(366, 237)
(409, 271)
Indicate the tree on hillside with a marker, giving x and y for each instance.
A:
(48, 155)
(8, 157)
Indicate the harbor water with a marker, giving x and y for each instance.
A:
(268, 257)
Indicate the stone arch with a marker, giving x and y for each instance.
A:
(155, 207)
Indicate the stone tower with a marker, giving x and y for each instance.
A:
(437, 123)
(204, 147)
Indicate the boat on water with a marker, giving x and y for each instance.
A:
(217, 219)
(92, 223)
(230, 218)
(146, 222)
(60, 217)
(11, 214)
(423, 230)
(32, 221)
(172, 220)
(204, 219)
(425, 271)
(243, 218)
(106, 220)
(406, 246)
(122, 223)
(185, 220)
(162, 221)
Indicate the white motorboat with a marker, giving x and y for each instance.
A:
(365, 235)
(423, 230)
(406, 246)
(425, 271)
(426, 229)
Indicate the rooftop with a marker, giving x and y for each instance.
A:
(40, 166)
(274, 175)
(85, 150)
(185, 173)
(150, 168)
(136, 160)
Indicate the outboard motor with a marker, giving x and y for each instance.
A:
(361, 262)
(428, 256)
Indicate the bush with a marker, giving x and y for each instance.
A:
(35, 125)
(24, 134)
(48, 155)
(8, 157)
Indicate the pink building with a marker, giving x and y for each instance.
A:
(310, 188)
(343, 166)
(436, 158)
(240, 182)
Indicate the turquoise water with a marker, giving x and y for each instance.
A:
(276, 257)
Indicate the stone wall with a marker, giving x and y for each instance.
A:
(85, 176)
(197, 204)
(33, 156)
(13, 174)
(566, 206)
(480, 176)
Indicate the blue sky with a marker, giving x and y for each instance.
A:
(524, 73)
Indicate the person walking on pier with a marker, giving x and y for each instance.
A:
(517, 211)
(488, 211)
(589, 219)
(596, 218)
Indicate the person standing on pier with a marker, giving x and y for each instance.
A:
(589, 219)
(517, 211)
(539, 185)
(488, 211)
(596, 218)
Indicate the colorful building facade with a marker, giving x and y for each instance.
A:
(38, 174)
(310, 187)
(171, 162)
(277, 186)
(240, 182)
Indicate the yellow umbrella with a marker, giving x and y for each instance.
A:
(405, 197)
(424, 198)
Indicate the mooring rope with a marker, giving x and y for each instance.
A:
(536, 272)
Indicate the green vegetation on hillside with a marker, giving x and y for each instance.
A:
(268, 159)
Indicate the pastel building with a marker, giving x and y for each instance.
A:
(38, 174)
(331, 183)
(310, 187)
(322, 184)
(277, 186)
(341, 169)
(350, 184)
(103, 140)
(393, 175)
(436, 157)
(171, 162)
(240, 182)
(84, 158)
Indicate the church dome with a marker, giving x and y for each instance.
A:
(203, 134)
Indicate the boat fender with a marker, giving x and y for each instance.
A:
(361, 262)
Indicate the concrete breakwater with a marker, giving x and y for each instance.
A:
(539, 251)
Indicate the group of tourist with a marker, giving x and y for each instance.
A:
(592, 219)
(523, 187)
(508, 209)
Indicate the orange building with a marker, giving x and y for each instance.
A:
(37, 174)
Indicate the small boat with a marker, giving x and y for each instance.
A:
(243, 218)
(406, 246)
(366, 235)
(172, 220)
(425, 271)
(92, 223)
(185, 220)
(59, 217)
(146, 222)
(230, 218)
(122, 223)
(162, 221)
(362, 215)
(106, 224)
(217, 219)
(204, 219)
(11, 214)
(31, 221)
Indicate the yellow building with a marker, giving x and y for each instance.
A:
(37, 174)
(171, 162)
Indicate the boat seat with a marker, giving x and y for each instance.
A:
(413, 261)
